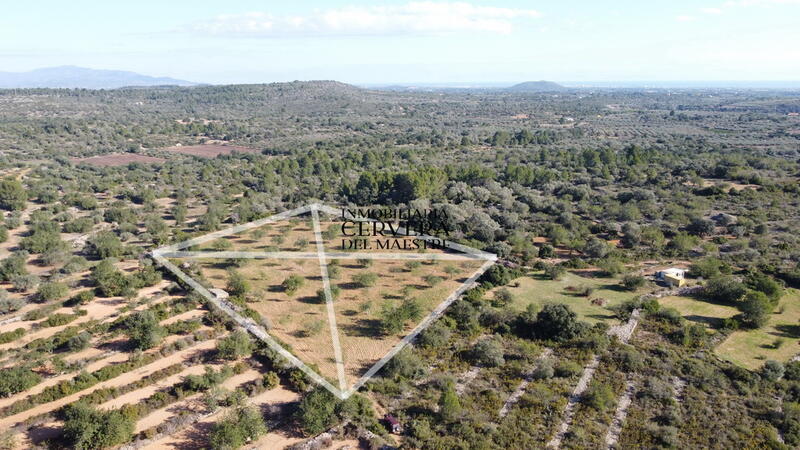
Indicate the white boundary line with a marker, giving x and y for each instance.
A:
(175, 251)
(326, 286)
(248, 324)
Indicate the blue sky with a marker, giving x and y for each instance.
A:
(410, 41)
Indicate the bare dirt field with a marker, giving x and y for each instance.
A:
(118, 159)
(210, 150)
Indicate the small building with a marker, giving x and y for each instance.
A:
(393, 424)
(672, 277)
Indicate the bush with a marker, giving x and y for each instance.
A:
(365, 280)
(88, 428)
(236, 345)
(755, 308)
(724, 289)
(772, 370)
(239, 426)
(489, 352)
(435, 335)
(79, 342)
(554, 271)
(557, 322)
(316, 411)
(52, 291)
(568, 369)
(599, 396)
(143, 330)
(633, 282)
(9, 304)
(109, 280)
(292, 284)
(17, 379)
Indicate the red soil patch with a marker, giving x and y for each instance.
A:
(211, 150)
(118, 159)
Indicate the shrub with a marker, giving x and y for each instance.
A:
(79, 342)
(316, 411)
(52, 291)
(599, 396)
(489, 352)
(240, 426)
(365, 280)
(633, 282)
(554, 271)
(17, 379)
(236, 345)
(143, 330)
(292, 284)
(772, 370)
(88, 428)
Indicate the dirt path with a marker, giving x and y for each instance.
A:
(194, 436)
(126, 378)
(574, 398)
(191, 403)
(624, 333)
(517, 394)
(612, 436)
(465, 379)
(99, 364)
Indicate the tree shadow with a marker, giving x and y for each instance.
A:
(714, 322)
(787, 330)
(363, 328)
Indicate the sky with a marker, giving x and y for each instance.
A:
(385, 42)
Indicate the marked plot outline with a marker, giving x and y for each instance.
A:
(474, 262)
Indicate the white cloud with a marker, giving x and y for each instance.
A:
(711, 10)
(414, 18)
(686, 18)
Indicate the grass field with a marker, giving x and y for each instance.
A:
(750, 348)
(535, 289)
(699, 311)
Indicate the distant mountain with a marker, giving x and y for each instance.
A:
(536, 86)
(81, 77)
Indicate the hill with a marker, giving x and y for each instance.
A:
(81, 77)
(536, 86)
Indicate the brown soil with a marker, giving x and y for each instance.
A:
(118, 159)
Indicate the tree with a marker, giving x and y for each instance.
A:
(764, 283)
(109, 280)
(405, 365)
(291, 284)
(700, 227)
(237, 286)
(554, 271)
(52, 291)
(12, 195)
(316, 411)
(725, 289)
(87, 428)
(449, 406)
(240, 426)
(557, 322)
(17, 379)
(14, 266)
(236, 345)
(596, 248)
(489, 352)
(633, 281)
(143, 330)
(772, 370)
(755, 308)
(106, 244)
